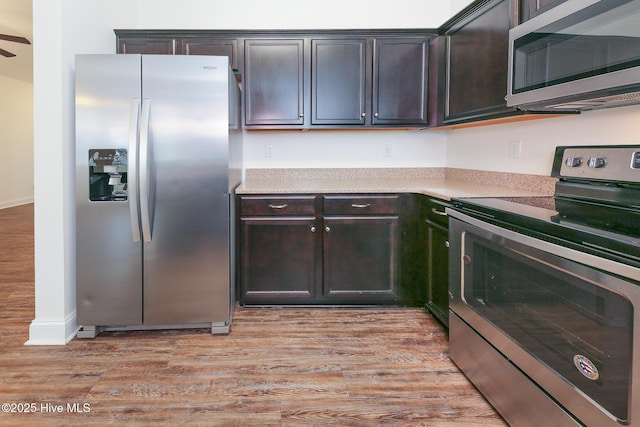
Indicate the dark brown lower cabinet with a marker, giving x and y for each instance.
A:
(437, 259)
(330, 250)
(360, 259)
(275, 273)
(277, 249)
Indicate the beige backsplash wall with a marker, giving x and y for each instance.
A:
(344, 149)
(479, 148)
(487, 147)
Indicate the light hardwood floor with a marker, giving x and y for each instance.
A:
(278, 367)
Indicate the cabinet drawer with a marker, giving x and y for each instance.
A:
(435, 211)
(361, 205)
(272, 205)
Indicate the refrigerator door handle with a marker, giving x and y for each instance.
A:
(132, 178)
(144, 172)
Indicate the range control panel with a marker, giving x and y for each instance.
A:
(604, 163)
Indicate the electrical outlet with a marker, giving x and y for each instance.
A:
(387, 151)
(268, 150)
(515, 149)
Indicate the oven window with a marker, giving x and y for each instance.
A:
(570, 323)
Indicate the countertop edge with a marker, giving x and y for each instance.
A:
(443, 183)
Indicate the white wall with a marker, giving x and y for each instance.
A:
(292, 14)
(488, 147)
(61, 29)
(16, 142)
(344, 149)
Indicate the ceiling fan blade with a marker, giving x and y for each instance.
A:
(16, 39)
(6, 54)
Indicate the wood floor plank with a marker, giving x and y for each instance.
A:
(278, 367)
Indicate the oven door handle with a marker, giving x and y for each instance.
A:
(437, 212)
(598, 262)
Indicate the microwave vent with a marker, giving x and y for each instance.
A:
(603, 102)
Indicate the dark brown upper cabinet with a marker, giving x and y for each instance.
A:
(532, 8)
(469, 64)
(274, 82)
(338, 82)
(476, 50)
(400, 70)
(147, 45)
(211, 46)
(312, 79)
(369, 81)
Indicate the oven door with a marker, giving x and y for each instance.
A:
(563, 317)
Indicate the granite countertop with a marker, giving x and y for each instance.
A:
(443, 183)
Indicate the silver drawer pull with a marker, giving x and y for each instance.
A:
(278, 206)
(437, 212)
(360, 206)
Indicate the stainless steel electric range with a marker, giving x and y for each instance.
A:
(545, 294)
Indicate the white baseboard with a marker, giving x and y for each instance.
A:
(12, 203)
(53, 332)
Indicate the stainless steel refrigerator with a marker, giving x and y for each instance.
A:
(158, 155)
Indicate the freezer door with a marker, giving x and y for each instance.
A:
(185, 188)
(108, 259)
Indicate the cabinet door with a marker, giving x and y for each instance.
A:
(338, 76)
(274, 82)
(211, 46)
(147, 45)
(277, 260)
(438, 271)
(533, 8)
(476, 64)
(400, 81)
(360, 259)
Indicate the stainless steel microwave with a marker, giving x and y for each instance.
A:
(580, 55)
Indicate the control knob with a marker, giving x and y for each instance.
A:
(573, 162)
(596, 162)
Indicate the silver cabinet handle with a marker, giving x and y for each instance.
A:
(437, 212)
(375, 115)
(446, 243)
(327, 229)
(132, 166)
(360, 206)
(301, 115)
(278, 206)
(313, 229)
(363, 115)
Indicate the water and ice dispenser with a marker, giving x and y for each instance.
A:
(108, 174)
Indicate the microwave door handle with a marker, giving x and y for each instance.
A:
(144, 174)
(132, 169)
